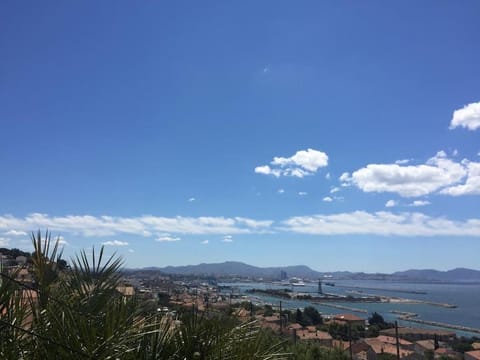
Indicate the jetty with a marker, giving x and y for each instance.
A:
(341, 307)
(412, 317)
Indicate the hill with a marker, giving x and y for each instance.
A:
(233, 268)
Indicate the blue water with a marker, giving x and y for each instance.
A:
(465, 296)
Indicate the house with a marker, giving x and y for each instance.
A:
(442, 353)
(321, 337)
(387, 345)
(472, 355)
(348, 319)
(360, 351)
(422, 346)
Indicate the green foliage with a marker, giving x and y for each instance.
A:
(377, 320)
(267, 310)
(313, 351)
(77, 313)
(344, 331)
(462, 345)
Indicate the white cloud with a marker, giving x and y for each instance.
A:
(61, 240)
(131, 251)
(281, 191)
(391, 203)
(4, 241)
(302, 163)
(327, 199)
(227, 238)
(16, 233)
(115, 243)
(381, 223)
(328, 176)
(88, 225)
(191, 199)
(167, 238)
(467, 117)
(417, 203)
(334, 190)
(408, 181)
(266, 170)
(402, 161)
(204, 242)
(302, 193)
(471, 186)
(455, 152)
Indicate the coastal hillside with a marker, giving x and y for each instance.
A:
(233, 268)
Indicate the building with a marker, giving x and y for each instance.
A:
(348, 319)
(472, 355)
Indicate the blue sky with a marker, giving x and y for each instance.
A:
(341, 135)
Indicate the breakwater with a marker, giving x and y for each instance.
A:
(341, 307)
(404, 291)
(413, 317)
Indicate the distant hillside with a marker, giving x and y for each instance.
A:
(233, 268)
(455, 275)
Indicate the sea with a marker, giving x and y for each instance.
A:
(466, 298)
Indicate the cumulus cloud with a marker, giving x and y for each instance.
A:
(471, 186)
(391, 203)
(467, 117)
(327, 199)
(167, 238)
(115, 243)
(382, 223)
(408, 181)
(204, 242)
(334, 190)
(88, 225)
(417, 203)
(302, 163)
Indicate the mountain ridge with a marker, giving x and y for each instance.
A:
(237, 268)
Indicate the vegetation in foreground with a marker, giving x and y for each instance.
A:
(76, 312)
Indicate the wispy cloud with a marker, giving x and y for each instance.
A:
(302, 193)
(16, 233)
(417, 203)
(4, 241)
(204, 242)
(88, 225)
(381, 223)
(191, 199)
(167, 238)
(467, 117)
(115, 243)
(281, 191)
(327, 199)
(302, 163)
(227, 238)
